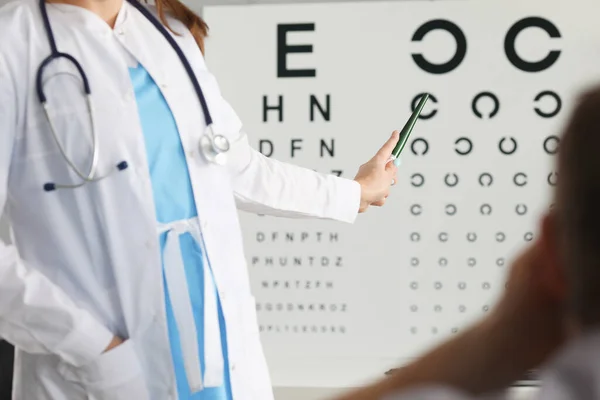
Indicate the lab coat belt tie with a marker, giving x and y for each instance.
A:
(177, 287)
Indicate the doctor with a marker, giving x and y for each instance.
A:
(121, 172)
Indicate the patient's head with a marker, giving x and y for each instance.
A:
(571, 236)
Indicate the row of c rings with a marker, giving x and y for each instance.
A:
(461, 286)
(438, 308)
(471, 237)
(550, 146)
(496, 101)
(451, 209)
(485, 179)
(435, 330)
(443, 262)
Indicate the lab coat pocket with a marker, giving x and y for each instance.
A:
(115, 375)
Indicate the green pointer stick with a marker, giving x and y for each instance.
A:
(406, 131)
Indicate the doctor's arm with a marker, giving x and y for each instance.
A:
(36, 315)
(266, 186)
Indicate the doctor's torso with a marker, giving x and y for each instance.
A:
(99, 243)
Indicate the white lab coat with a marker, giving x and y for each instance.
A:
(86, 264)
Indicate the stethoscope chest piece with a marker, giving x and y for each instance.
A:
(214, 147)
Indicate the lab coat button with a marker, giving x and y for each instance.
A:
(233, 367)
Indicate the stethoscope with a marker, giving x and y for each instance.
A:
(213, 146)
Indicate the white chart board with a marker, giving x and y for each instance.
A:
(340, 304)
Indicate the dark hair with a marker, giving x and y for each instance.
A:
(180, 11)
(578, 207)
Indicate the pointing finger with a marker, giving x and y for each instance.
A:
(385, 152)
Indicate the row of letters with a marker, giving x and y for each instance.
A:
(294, 237)
(340, 329)
(311, 307)
(303, 261)
(297, 285)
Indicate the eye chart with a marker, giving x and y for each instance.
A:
(323, 86)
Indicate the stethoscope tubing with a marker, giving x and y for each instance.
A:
(219, 145)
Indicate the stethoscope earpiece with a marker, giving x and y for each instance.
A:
(51, 187)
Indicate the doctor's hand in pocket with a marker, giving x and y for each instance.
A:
(377, 176)
(114, 375)
(116, 341)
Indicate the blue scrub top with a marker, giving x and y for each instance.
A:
(174, 200)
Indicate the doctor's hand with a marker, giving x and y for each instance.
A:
(377, 176)
(115, 342)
